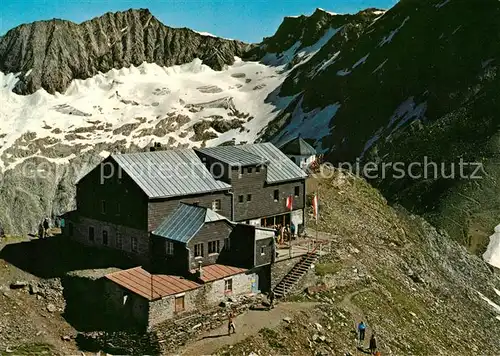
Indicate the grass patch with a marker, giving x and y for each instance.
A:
(34, 349)
(271, 336)
(323, 269)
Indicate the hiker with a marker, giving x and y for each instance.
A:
(271, 299)
(46, 227)
(373, 344)
(230, 324)
(361, 330)
(41, 231)
(292, 230)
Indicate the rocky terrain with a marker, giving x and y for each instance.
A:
(422, 293)
(419, 81)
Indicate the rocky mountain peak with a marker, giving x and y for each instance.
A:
(50, 54)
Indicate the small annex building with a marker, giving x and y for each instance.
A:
(300, 152)
(200, 259)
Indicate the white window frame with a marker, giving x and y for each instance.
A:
(93, 233)
(119, 240)
(227, 282)
(202, 251)
(217, 205)
(169, 248)
(105, 231)
(132, 240)
(217, 247)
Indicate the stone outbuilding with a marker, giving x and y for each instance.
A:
(143, 299)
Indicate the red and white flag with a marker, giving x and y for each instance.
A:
(289, 202)
(315, 204)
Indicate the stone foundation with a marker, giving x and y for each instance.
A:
(119, 237)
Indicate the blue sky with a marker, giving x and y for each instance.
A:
(247, 20)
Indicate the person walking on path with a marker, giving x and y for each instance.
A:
(230, 324)
(41, 231)
(271, 300)
(373, 344)
(46, 227)
(361, 331)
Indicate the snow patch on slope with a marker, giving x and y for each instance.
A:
(314, 124)
(492, 254)
(440, 5)
(407, 111)
(128, 104)
(295, 51)
(344, 72)
(389, 37)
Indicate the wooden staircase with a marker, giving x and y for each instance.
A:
(293, 277)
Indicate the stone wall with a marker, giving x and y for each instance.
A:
(134, 309)
(116, 233)
(280, 269)
(242, 284)
(128, 307)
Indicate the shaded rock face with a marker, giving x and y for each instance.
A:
(50, 54)
(308, 30)
(420, 81)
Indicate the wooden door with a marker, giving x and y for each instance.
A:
(179, 304)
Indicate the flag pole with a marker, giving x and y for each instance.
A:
(317, 211)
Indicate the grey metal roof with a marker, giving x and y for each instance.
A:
(298, 147)
(233, 155)
(170, 173)
(280, 168)
(185, 221)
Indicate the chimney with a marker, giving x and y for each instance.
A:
(200, 269)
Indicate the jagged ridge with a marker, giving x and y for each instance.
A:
(50, 54)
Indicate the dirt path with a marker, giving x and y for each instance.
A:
(356, 313)
(247, 324)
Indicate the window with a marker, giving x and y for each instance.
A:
(297, 191)
(228, 285)
(216, 205)
(240, 172)
(213, 247)
(119, 240)
(133, 244)
(227, 243)
(262, 250)
(249, 169)
(198, 250)
(169, 248)
(105, 237)
(257, 169)
(276, 195)
(240, 199)
(125, 298)
(179, 304)
(103, 206)
(91, 233)
(249, 197)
